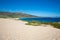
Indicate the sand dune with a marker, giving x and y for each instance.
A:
(11, 29)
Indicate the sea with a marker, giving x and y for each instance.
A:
(42, 19)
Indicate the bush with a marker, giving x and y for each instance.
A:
(34, 23)
(56, 25)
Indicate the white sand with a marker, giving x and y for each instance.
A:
(11, 29)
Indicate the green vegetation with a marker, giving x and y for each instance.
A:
(34, 23)
(15, 15)
(37, 23)
(56, 25)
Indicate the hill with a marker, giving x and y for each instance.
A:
(15, 15)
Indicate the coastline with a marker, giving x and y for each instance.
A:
(13, 29)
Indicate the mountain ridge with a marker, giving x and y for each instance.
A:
(15, 15)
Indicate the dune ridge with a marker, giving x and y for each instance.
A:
(11, 29)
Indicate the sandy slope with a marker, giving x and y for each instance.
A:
(17, 30)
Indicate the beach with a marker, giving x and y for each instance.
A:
(11, 29)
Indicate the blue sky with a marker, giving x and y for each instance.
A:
(44, 8)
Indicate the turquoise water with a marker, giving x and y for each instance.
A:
(42, 19)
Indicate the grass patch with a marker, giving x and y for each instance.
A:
(34, 23)
(37, 23)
